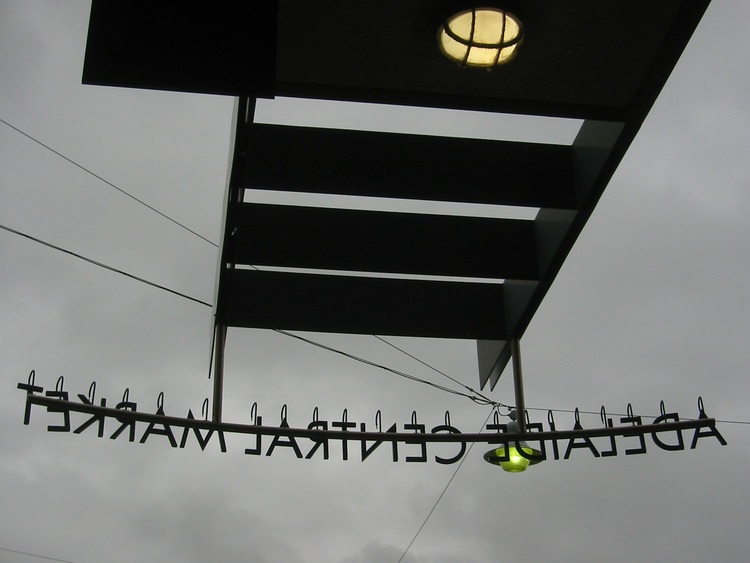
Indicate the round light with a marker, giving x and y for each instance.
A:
(480, 37)
(513, 461)
(510, 457)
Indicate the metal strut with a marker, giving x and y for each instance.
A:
(220, 338)
(237, 179)
(515, 351)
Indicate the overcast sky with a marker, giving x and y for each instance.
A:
(650, 305)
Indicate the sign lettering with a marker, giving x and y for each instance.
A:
(414, 440)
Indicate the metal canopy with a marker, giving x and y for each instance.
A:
(355, 271)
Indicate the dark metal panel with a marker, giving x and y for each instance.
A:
(362, 305)
(597, 151)
(580, 58)
(411, 166)
(225, 47)
(374, 241)
(492, 357)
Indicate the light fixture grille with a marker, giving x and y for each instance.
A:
(481, 37)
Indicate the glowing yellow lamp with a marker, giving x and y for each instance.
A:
(481, 37)
(512, 460)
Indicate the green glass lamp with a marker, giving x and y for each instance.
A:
(510, 458)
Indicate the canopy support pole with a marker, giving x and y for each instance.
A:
(515, 350)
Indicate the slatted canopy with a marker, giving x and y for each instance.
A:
(412, 274)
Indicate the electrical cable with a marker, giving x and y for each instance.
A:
(429, 514)
(105, 266)
(384, 341)
(408, 547)
(733, 421)
(487, 399)
(35, 555)
(479, 400)
(122, 191)
(571, 411)
(476, 398)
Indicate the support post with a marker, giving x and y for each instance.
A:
(515, 350)
(220, 336)
(244, 111)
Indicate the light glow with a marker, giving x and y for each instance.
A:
(481, 37)
(516, 462)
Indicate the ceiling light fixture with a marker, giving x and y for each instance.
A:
(510, 457)
(481, 37)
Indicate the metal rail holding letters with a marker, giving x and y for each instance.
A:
(630, 437)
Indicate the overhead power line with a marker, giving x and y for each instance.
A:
(477, 399)
(448, 484)
(119, 189)
(486, 400)
(105, 266)
(35, 555)
(480, 399)
(554, 410)
(475, 396)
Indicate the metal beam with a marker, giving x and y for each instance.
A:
(417, 167)
(375, 241)
(366, 305)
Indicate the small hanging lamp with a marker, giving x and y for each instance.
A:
(509, 457)
(481, 37)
